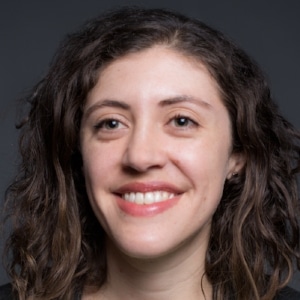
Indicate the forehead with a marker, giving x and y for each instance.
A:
(161, 66)
(154, 54)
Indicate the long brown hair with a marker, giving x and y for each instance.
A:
(57, 244)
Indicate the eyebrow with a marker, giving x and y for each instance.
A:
(185, 98)
(163, 103)
(106, 103)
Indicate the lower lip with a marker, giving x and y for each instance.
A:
(146, 210)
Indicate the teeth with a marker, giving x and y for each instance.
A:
(147, 198)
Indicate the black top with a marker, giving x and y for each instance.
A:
(6, 293)
(286, 294)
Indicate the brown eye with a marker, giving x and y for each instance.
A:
(182, 121)
(108, 124)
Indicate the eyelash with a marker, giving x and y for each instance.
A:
(190, 121)
(103, 123)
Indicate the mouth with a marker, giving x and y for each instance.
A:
(148, 197)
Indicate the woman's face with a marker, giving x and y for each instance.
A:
(156, 146)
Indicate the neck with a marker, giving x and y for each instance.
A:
(176, 275)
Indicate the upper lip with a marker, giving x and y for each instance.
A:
(144, 187)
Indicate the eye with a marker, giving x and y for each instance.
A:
(109, 124)
(183, 121)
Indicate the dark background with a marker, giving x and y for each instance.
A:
(31, 30)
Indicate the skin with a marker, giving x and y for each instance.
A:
(164, 124)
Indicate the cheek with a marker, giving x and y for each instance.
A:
(96, 156)
(93, 166)
(97, 170)
(100, 166)
(206, 166)
(202, 157)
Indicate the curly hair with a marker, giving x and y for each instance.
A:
(57, 245)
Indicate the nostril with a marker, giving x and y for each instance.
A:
(131, 170)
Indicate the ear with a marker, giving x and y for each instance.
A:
(236, 163)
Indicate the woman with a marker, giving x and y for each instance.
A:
(155, 166)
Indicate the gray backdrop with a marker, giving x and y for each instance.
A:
(31, 30)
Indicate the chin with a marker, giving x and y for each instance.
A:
(143, 250)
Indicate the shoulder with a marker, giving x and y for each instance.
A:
(288, 293)
(6, 292)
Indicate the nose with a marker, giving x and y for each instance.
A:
(145, 150)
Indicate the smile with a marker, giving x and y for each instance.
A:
(147, 198)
